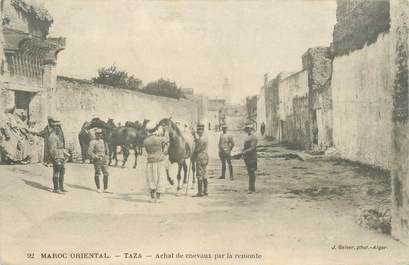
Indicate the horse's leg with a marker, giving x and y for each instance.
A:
(110, 154)
(125, 154)
(184, 165)
(170, 180)
(82, 152)
(136, 156)
(179, 176)
(193, 172)
(115, 156)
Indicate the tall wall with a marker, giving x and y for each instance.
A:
(261, 108)
(272, 104)
(362, 104)
(78, 101)
(399, 49)
(295, 125)
(318, 62)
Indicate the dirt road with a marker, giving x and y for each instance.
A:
(303, 213)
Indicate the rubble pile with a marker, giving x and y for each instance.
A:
(377, 218)
(17, 144)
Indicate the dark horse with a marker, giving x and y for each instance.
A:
(137, 125)
(84, 138)
(181, 146)
(128, 137)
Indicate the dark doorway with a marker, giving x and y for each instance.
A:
(22, 101)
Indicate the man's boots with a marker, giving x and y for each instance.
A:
(231, 172)
(205, 187)
(153, 199)
(199, 189)
(223, 172)
(55, 183)
(61, 180)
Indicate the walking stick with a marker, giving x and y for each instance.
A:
(188, 177)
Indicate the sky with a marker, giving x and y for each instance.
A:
(194, 43)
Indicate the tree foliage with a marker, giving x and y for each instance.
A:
(113, 76)
(164, 88)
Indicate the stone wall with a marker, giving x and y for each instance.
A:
(78, 101)
(294, 124)
(272, 105)
(362, 104)
(318, 62)
(359, 22)
(261, 108)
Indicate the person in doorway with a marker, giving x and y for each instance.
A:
(249, 153)
(202, 159)
(262, 128)
(156, 148)
(226, 144)
(97, 152)
(57, 152)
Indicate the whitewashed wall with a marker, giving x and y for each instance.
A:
(362, 104)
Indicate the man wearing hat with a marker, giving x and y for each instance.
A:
(156, 160)
(250, 156)
(202, 159)
(45, 134)
(97, 152)
(226, 144)
(57, 153)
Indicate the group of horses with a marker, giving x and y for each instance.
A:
(131, 137)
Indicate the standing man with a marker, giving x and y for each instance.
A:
(250, 156)
(45, 134)
(156, 148)
(226, 144)
(56, 151)
(202, 159)
(262, 128)
(97, 152)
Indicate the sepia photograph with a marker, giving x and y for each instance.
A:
(263, 132)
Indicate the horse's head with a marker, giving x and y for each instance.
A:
(86, 125)
(111, 123)
(145, 121)
(128, 124)
(170, 126)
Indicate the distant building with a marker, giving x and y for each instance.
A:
(251, 108)
(216, 113)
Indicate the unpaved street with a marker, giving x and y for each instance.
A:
(277, 225)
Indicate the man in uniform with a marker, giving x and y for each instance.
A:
(45, 134)
(57, 155)
(97, 152)
(202, 159)
(250, 156)
(226, 144)
(156, 148)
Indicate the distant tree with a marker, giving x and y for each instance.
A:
(113, 76)
(164, 88)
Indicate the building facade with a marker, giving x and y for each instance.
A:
(28, 60)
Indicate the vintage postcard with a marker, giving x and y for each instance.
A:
(204, 132)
